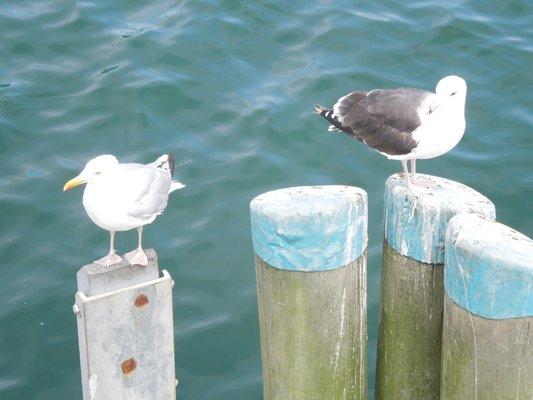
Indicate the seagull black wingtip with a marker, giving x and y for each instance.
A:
(319, 109)
(170, 161)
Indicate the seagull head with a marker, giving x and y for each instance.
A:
(452, 90)
(94, 168)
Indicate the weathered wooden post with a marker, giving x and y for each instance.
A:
(487, 341)
(310, 257)
(125, 331)
(410, 325)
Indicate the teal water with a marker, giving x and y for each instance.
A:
(228, 86)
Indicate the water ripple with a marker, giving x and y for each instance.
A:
(229, 86)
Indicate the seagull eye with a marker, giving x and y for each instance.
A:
(453, 94)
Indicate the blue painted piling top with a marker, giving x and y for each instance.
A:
(415, 224)
(489, 268)
(310, 228)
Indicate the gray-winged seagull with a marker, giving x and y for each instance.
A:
(405, 123)
(120, 197)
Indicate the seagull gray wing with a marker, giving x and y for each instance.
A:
(145, 188)
(384, 119)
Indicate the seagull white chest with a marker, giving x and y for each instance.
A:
(439, 133)
(105, 207)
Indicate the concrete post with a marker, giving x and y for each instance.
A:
(410, 324)
(125, 332)
(310, 257)
(487, 339)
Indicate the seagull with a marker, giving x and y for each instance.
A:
(404, 123)
(123, 196)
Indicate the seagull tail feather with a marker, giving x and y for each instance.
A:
(175, 185)
(165, 162)
(336, 125)
(319, 108)
(329, 115)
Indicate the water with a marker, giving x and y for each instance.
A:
(229, 86)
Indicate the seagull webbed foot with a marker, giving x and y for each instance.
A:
(137, 257)
(111, 259)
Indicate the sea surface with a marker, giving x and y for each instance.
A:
(228, 87)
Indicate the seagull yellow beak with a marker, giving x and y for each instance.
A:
(73, 183)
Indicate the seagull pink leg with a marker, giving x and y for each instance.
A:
(137, 256)
(413, 170)
(406, 175)
(112, 257)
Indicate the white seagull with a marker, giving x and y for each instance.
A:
(120, 197)
(405, 123)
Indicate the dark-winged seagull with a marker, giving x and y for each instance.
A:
(405, 123)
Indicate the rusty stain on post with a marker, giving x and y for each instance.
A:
(128, 366)
(141, 300)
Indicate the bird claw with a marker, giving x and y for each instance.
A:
(137, 257)
(111, 259)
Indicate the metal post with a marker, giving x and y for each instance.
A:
(410, 325)
(487, 339)
(310, 257)
(125, 331)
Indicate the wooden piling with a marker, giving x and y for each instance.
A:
(410, 323)
(310, 257)
(487, 341)
(125, 331)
